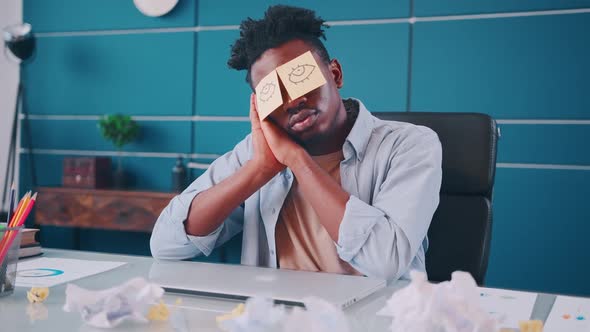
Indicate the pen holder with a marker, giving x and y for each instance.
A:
(9, 246)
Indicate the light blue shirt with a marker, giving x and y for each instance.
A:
(392, 171)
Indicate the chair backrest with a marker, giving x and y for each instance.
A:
(460, 232)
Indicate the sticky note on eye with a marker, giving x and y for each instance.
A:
(301, 75)
(268, 95)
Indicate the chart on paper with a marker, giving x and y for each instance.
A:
(47, 272)
(570, 314)
(508, 307)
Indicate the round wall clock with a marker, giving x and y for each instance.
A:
(155, 7)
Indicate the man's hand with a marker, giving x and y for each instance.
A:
(325, 195)
(211, 207)
(263, 157)
(282, 146)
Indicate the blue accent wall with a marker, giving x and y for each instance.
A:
(532, 67)
(531, 72)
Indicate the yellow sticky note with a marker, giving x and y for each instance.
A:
(268, 95)
(37, 294)
(531, 326)
(301, 75)
(238, 311)
(158, 312)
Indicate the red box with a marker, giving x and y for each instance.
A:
(87, 172)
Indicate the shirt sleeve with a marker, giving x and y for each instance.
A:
(169, 239)
(381, 240)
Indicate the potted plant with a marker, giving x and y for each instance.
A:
(120, 130)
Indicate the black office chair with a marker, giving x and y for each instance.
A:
(460, 231)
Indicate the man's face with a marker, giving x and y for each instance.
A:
(312, 116)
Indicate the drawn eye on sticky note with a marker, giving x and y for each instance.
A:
(267, 91)
(301, 75)
(268, 95)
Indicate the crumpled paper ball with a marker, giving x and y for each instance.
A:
(110, 307)
(37, 294)
(262, 315)
(37, 311)
(450, 306)
(158, 312)
(318, 316)
(257, 315)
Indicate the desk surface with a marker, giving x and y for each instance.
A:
(199, 312)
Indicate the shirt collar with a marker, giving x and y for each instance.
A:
(359, 135)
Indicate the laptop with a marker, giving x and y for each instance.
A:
(241, 282)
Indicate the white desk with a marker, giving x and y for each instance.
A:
(199, 312)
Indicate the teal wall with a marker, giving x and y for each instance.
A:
(531, 72)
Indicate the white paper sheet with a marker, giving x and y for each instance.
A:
(47, 272)
(570, 314)
(507, 306)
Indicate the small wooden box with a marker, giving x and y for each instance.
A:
(87, 172)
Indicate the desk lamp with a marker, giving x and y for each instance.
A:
(19, 47)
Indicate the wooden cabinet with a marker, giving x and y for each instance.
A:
(101, 209)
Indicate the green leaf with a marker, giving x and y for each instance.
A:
(119, 129)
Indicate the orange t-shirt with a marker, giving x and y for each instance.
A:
(302, 241)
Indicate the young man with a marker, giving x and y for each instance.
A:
(320, 184)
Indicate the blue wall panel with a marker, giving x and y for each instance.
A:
(149, 74)
(457, 7)
(539, 239)
(119, 242)
(219, 137)
(59, 237)
(526, 67)
(233, 12)
(48, 170)
(150, 173)
(374, 61)
(545, 144)
(219, 89)
(155, 136)
(78, 15)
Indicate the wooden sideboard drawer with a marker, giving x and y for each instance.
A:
(101, 209)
